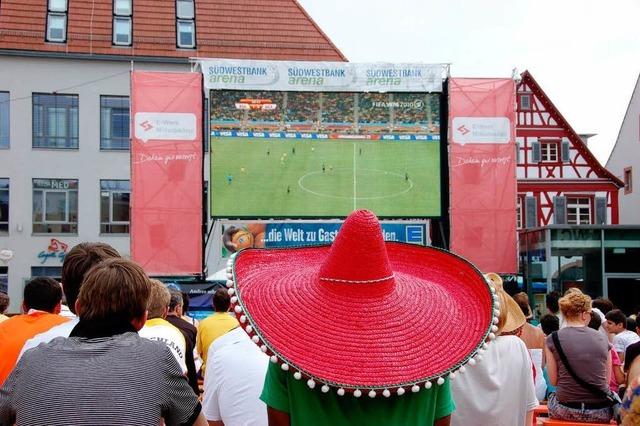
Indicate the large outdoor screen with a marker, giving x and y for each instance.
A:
(324, 154)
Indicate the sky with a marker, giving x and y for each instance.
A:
(585, 54)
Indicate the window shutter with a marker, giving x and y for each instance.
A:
(517, 152)
(565, 151)
(560, 210)
(531, 212)
(601, 211)
(535, 152)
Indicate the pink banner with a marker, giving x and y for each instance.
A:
(482, 168)
(166, 172)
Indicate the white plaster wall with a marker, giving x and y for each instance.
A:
(89, 79)
(626, 153)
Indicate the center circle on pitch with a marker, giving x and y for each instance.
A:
(370, 184)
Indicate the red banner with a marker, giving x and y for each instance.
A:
(482, 164)
(166, 172)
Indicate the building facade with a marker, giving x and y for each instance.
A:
(624, 160)
(567, 202)
(64, 107)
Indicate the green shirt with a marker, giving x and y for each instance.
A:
(310, 407)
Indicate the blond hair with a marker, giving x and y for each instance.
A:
(114, 288)
(574, 303)
(159, 299)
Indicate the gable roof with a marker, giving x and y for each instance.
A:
(243, 29)
(575, 139)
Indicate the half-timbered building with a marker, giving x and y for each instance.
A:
(559, 179)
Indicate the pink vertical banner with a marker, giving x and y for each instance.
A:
(166, 172)
(482, 164)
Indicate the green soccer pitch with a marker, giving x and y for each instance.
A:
(300, 178)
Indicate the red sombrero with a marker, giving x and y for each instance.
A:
(362, 314)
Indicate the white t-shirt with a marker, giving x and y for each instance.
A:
(622, 340)
(163, 331)
(499, 390)
(236, 369)
(62, 330)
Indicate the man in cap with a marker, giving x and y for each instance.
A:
(355, 330)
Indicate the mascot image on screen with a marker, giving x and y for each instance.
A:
(251, 235)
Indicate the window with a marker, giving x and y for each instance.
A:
(4, 279)
(114, 206)
(122, 22)
(4, 120)
(4, 206)
(578, 211)
(525, 102)
(55, 121)
(628, 180)
(57, 21)
(186, 34)
(114, 122)
(549, 152)
(185, 24)
(519, 218)
(54, 272)
(55, 206)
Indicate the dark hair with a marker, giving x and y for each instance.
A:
(185, 303)
(631, 324)
(43, 294)
(523, 302)
(595, 321)
(77, 263)
(221, 300)
(176, 299)
(604, 305)
(552, 302)
(114, 289)
(4, 302)
(616, 316)
(549, 323)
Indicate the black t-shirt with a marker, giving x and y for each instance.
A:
(630, 354)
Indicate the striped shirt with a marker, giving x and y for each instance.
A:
(119, 380)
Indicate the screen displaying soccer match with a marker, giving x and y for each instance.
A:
(285, 154)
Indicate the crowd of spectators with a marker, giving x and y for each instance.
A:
(129, 333)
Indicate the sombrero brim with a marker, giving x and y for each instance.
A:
(435, 318)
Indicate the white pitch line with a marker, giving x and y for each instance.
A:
(354, 177)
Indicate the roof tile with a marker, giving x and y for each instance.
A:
(258, 29)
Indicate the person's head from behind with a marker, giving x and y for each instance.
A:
(549, 323)
(616, 321)
(158, 300)
(221, 300)
(552, 302)
(604, 305)
(185, 303)
(77, 263)
(523, 302)
(115, 290)
(42, 294)
(175, 303)
(511, 320)
(576, 307)
(4, 302)
(595, 321)
(631, 324)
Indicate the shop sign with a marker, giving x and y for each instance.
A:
(56, 250)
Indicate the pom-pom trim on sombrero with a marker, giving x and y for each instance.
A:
(254, 332)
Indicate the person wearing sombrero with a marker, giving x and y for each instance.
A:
(500, 391)
(362, 332)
